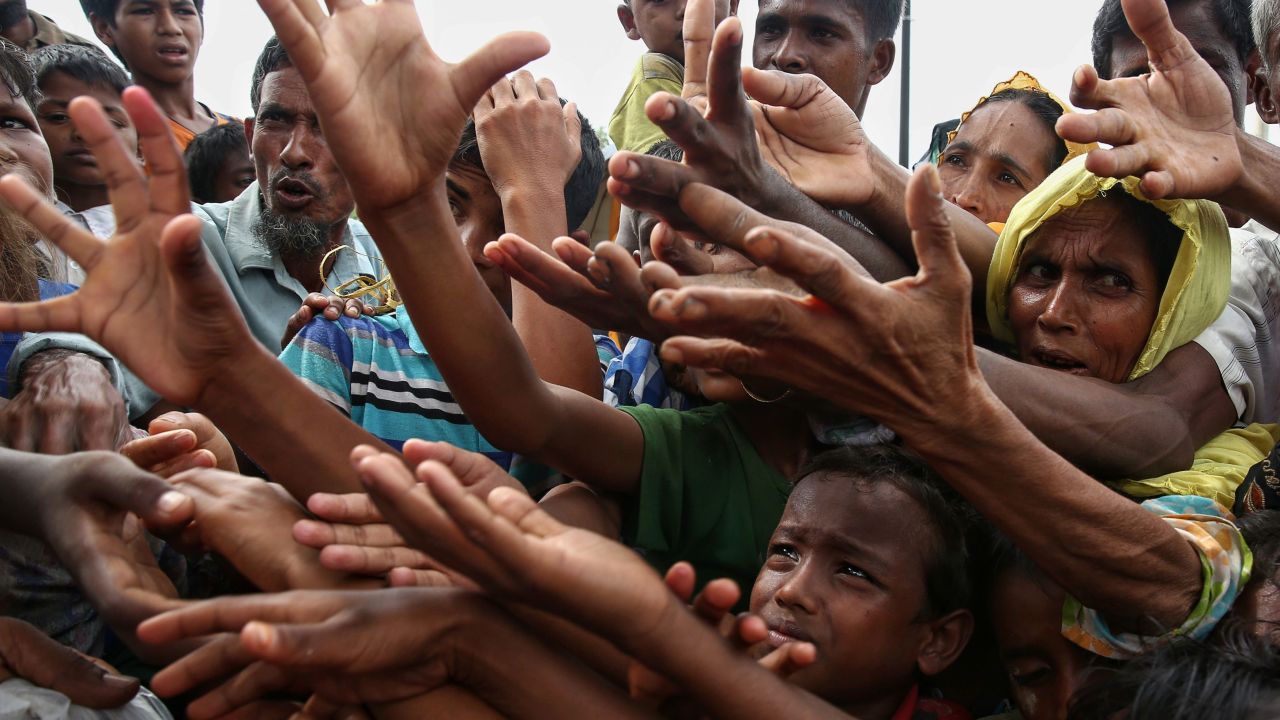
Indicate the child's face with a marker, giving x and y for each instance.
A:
(1044, 668)
(477, 211)
(660, 24)
(73, 164)
(235, 174)
(158, 39)
(22, 147)
(846, 571)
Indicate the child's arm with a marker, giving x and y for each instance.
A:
(531, 147)
(356, 73)
(516, 551)
(381, 647)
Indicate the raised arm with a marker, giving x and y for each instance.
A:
(516, 551)
(357, 64)
(903, 353)
(1174, 126)
(151, 298)
(531, 147)
(721, 150)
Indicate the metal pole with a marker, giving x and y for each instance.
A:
(904, 117)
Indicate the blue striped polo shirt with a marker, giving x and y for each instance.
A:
(377, 371)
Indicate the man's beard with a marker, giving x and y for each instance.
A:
(291, 236)
(12, 12)
(21, 264)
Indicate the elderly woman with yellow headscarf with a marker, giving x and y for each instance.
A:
(1004, 148)
(1090, 278)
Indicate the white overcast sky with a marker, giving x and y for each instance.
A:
(960, 49)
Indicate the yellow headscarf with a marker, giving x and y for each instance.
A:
(1025, 81)
(1198, 284)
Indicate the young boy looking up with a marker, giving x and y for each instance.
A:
(869, 564)
(218, 165)
(63, 73)
(159, 41)
(660, 24)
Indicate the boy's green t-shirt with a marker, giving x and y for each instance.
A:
(705, 495)
(629, 128)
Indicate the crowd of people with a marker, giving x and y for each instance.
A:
(399, 399)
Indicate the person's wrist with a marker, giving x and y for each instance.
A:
(1240, 193)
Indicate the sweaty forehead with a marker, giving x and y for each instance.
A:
(1009, 131)
(840, 12)
(1199, 23)
(1095, 228)
(285, 90)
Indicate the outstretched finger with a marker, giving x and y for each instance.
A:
(297, 24)
(717, 354)
(1167, 48)
(725, 96)
(716, 600)
(366, 560)
(680, 121)
(248, 687)
(748, 315)
(79, 244)
(153, 450)
(212, 661)
(1118, 162)
(500, 56)
(699, 28)
(472, 469)
(1110, 125)
(229, 614)
(827, 273)
(169, 191)
(790, 659)
(779, 89)
(349, 508)
(323, 534)
(931, 233)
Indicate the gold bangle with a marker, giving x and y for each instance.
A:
(785, 394)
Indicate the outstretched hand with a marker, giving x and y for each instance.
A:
(347, 647)
(1173, 127)
(812, 137)
(150, 296)
(895, 352)
(376, 83)
(27, 653)
(513, 549)
(604, 289)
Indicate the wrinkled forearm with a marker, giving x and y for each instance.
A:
(1142, 429)
(1254, 193)
(1105, 550)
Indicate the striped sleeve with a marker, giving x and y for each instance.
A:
(321, 355)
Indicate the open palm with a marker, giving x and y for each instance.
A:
(811, 136)
(376, 83)
(149, 295)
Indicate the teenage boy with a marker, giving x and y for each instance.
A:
(159, 42)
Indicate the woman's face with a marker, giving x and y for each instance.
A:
(1086, 293)
(1001, 153)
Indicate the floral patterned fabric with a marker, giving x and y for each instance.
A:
(1226, 564)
